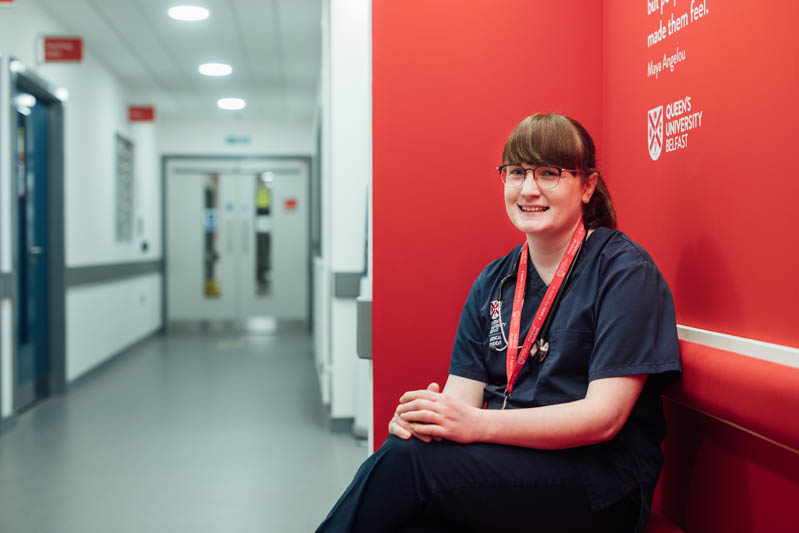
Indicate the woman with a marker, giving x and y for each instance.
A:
(550, 419)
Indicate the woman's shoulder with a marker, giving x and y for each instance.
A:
(493, 273)
(616, 247)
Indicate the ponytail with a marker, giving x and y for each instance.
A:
(599, 211)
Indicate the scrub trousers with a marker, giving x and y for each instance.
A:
(410, 486)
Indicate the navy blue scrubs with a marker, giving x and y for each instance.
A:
(616, 318)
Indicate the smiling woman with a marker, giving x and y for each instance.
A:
(563, 429)
(563, 143)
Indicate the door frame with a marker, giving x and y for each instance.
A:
(165, 159)
(22, 77)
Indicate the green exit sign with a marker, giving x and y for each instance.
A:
(238, 139)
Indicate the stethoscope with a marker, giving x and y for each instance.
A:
(543, 345)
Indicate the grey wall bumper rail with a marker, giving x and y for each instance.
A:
(364, 327)
(346, 284)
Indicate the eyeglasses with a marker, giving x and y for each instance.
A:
(545, 177)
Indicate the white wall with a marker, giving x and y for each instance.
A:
(93, 114)
(128, 310)
(347, 156)
(90, 186)
(95, 111)
(208, 136)
(351, 130)
(147, 189)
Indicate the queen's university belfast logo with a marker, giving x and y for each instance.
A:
(654, 128)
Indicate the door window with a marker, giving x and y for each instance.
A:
(263, 232)
(212, 286)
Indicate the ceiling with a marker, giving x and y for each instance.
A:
(274, 47)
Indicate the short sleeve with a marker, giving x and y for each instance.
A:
(636, 329)
(467, 352)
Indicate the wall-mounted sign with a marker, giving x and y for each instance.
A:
(6, 2)
(141, 113)
(210, 220)
(673, 119)
(290, 203)
(681, 117)
(238, 139)
(58, 49)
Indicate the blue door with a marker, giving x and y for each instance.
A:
(33, 364)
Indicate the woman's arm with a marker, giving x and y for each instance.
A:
(469, 391)
(596, 418)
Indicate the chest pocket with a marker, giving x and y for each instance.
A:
(564, 373)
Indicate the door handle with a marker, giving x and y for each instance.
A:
(35, 252)
(245, 236)
(229, 237)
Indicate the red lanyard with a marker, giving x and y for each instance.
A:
(513, 364)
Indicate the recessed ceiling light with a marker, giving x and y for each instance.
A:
(215, 69)
(231, 104)
(190, 13)
(62, 94)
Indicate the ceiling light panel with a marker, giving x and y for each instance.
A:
(215, 69)
(231, 104)
(188, 13)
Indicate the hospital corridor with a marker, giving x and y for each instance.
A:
(399, 266)
(196, 432)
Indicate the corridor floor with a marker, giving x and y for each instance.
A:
(184, 433)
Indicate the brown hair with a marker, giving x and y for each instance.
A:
(561, 141)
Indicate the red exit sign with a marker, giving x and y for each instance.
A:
(63, 49)
(290, 203)
(141, 113)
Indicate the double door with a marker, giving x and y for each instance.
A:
(237, 239)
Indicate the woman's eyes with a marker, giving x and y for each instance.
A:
(540, 172)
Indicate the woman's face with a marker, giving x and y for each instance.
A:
(548, 212)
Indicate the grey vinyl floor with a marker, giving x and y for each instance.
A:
(184, 433)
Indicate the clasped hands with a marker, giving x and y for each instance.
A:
(431, 415)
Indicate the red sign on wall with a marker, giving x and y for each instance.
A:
(290, 204)
(63, 49)
(141, 113)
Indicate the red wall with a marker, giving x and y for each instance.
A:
(450, 80)
(718, 216)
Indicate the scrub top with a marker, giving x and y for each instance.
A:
(615, 318)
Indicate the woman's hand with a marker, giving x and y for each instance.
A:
(429, 414)
(402, 429)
